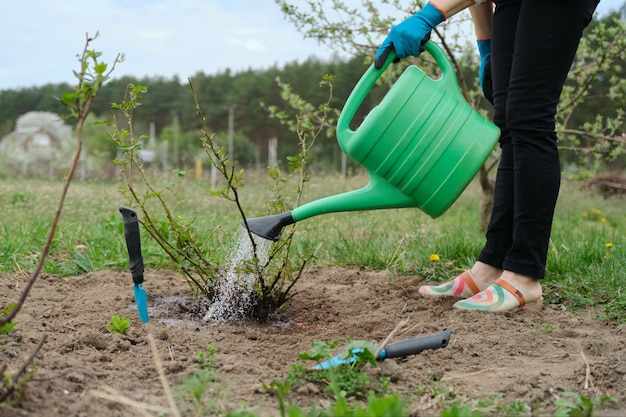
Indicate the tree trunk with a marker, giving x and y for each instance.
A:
(487, 186)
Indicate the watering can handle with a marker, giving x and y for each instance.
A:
(367, 81)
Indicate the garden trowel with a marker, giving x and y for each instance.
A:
(133, 244)
(395, 350)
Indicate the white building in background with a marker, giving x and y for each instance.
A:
(40, 145)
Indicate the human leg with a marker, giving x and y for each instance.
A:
(548, 33)
(499, 235)
(546, 39)
(533, 45)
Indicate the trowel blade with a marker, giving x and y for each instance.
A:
(141, 298)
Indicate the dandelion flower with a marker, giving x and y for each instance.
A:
(585, 214)
(603, 219)
(434, 257)
(608, 245)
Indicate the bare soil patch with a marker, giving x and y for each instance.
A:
(504, 355)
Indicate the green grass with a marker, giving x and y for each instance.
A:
(586, 262)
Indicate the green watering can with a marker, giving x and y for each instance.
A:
(422, 145)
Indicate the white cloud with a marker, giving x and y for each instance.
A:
(154, 35)
(248, 44)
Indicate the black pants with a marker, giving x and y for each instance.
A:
(532, 48)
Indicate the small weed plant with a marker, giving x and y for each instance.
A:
(7, 327)
(454, 404)
(13, 388)
(344, 381)
(347, 374)
(547, 329)
(572, 404)
(119, 324)
(199, 392)
(385, 406)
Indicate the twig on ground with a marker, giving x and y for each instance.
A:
(482, 371)
(398, 327)
(159, 365)
(588, 379)
(114, 395)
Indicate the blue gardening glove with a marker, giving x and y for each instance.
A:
(407, 37)
(484, 73)
(484, 49)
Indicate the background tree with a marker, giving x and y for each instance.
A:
(591, 110)
(594, 88)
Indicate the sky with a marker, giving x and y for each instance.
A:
(40, 39)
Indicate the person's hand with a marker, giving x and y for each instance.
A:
(407, 37)
(484, 72)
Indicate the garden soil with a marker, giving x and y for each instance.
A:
(83, 369)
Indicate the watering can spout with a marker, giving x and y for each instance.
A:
(377, 194)
(269, 227)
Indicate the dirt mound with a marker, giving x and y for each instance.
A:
(526, 356)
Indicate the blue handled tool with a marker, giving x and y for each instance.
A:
(395, 350)
(133, 244)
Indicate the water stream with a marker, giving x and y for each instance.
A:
(236, 292)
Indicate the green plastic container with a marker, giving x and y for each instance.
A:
(422, 144)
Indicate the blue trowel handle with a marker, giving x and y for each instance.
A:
(416, 345)
(133, 243)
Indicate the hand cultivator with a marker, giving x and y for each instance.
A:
(395, 350)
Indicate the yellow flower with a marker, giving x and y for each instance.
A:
(434, 257)
(596, 211)
(603, 219)
(585, 214)
(608, 245)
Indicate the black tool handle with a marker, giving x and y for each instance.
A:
(133, 243)
(416, 345)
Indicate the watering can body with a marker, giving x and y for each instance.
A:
(422, 145)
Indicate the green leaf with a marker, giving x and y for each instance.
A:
(363, 351)
(119, 324)
(101, 68)
(68, 98)
(321, 350)
(8, 327)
